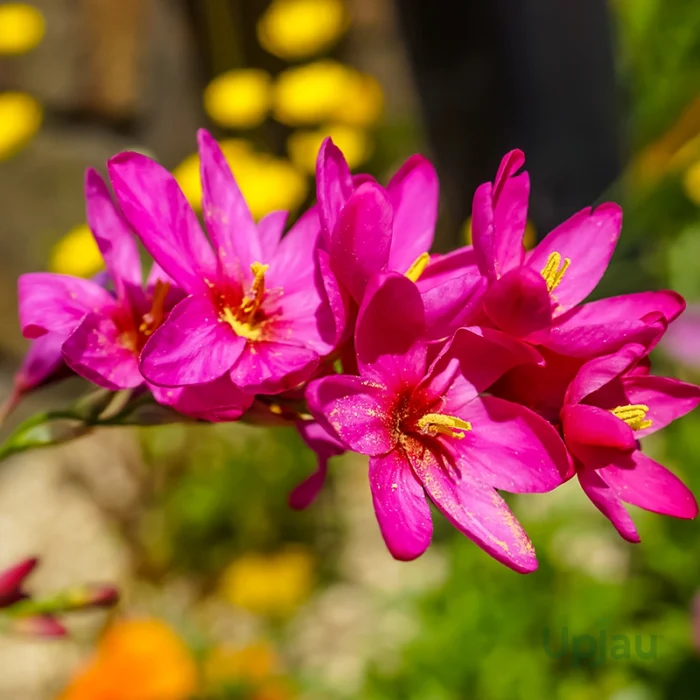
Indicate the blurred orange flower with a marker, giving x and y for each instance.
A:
(136, 660)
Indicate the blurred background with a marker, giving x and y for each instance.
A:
(227, 592)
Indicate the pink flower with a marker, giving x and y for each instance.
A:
(429, 434)
(100, 334)
(369, 229)
(527, 291)
(252, 311)
(613, 402)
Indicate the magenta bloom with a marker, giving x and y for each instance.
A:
(368, 229)
(100, 334)
(609, 406)
(252, 310)
(428, 433)
(528, 291)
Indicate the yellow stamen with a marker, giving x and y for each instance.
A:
(152, 320)
(251, 303)
(451, 426)
(418, 267)
(552, 273)
(634, 414)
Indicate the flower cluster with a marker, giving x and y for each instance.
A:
(458, 375)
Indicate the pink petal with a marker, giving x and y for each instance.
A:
(267, 367)
(96, 351)
(51, 303)
(588, 239)
(42, 362)
(231, 228)
(625, 307)
(413, 193)
(292, 265)
(304, 320)
(325, 446)
(11, 580)
(519, 303)
(666, 398)
(270, 229)
(192, 347)
(607, 502)
(590, 425)
(499, 217)
(475, 509)
(333, 184)
(598, 372)
(598, 339)
(454, 264)
(651, 486)
(471, 362)
(112, 234)
(358, 411)
(217, 401)
(452, 303)
(160, 216)
(388, 338)
(511, 448)
(603, 326)
(360, 244)
(335, 312)
(400, 505)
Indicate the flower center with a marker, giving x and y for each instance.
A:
(418, 266)
(554, 270)
(246, 319)
(438, 423)
(135, 338)
(152, 320)
(634, 414)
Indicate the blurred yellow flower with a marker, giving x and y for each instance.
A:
(239, 99)
(267, 183)
(303, 146)
(269, 584)
(691, 183)
(21, 28)
(529, 236)
(253, 663)
(76, 254)
(136, 660)
(293, 29)
(20, 118)
(327, 91)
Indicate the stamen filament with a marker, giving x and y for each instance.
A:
(152, 320)
(418, 267)
(552, 273)
(251, 303)
(451, 426)
(634, 414)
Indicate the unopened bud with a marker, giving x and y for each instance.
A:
(11, 581)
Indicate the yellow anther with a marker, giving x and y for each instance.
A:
(451, 426)
(552, 273)
(634, 414)
(418, 267)
(251, 302)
